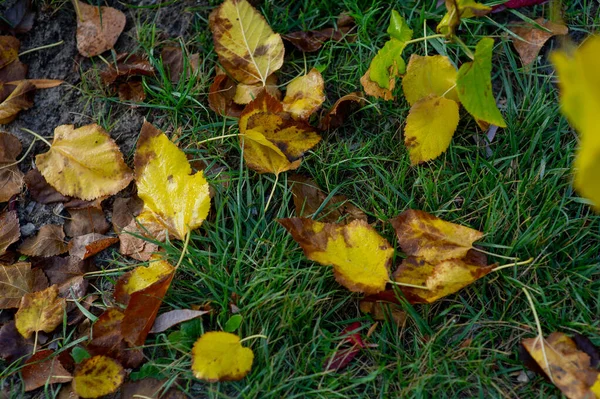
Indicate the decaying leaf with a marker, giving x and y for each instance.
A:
(40, 311)
(456, 11)
(49, 241)
(149, 388)
(219, 356)
(20, 99)
(15, 282)
(360, 257)
(173, 60)
(126, 67)
(136, 247)
(18, 18)
(11, 178)
(174, 198)
(40, 190)
(9, 230)
(85, 221)
(9, 50)
(247, 47)
(517, 4)
(44, 369)
(273, 142)
(423, 235)
(173, 317)
(98, 28)
(373, 89)
(244, 93)
(344, 356)
(566, 365)
(580, 102)
(87, 245)
(311, 41)
(221, 94)
(12, 344)
(532, 39)
(343, 107)
(98, 376)
(84, 163)
(304, 95)
(383, 311)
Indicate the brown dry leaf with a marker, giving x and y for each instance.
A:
(60, 269)
(149, 388)
(172, 60)
(304, 95)
(273, 142)
(373, 89)
(173, 317)
(83, 247)
(565, 365)
(11, 177)
(40, 190)
(132, 90)
(532, 39)
(85, 221)
(49, 241)
(342, 108)
(98, 376)
(136, 247)
(126, 67)
(20, 99)
(359, 255)
(311, 41)
(12, 344)
(98, 28)
(247, 47)
(39, 83)
(383, 311)
(40, 311)
(9, 230)
(124, 210)
(423, 235)
(244, 93)
(44, 369)
(15, 282)
(16, 71)
(9, 50)
(220, 97)
(18, 18)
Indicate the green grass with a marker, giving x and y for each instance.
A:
(521, 196)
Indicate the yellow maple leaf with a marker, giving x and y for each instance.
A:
(173, 197)
(84, 163)
(98, 376)
(246, 45)
(272, 141)
(220, 356)
(304, 95)
(429, 128)
(580, 103)
(40, 311)
(360, 257)
(429, 76)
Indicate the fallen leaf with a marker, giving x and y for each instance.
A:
(171, 318)
(433, 239)
(565, 365)
(9, 50)
(131, 91)
(220, 97)
(49, 241)
(20, 99)
(139, 248)
(383, 311)
(313, 40)
(474, 85)
(373, 89)
(44, 369)
(40, 190)
(174, 198)
(98, 376)
(12, 344)
(149, 388)
(9, 230)
(304, 95)
(456, 11)
(580, 101)
(244, 93)
(343, 107)
(360, 257)
(98, 28)
(124, 210)
(126, 67)
(84, 163)
(272, 141)
(428, 76)
(247, 47)
(220, 356)
(18, 18)
(343, 357)
(10, 76)
(531, 39)
(83, 247)
(85, 221)
(172, 61)
(61, 269)
(40, 311)
(15, 282)
(39, 83)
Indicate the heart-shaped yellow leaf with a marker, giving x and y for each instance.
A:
(40, 311)
(429, 76)
(220, 356)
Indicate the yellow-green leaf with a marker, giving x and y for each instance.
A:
(373, 89)
(388, 63)
(474, 85)
(430, 126)
(458, 9)
(40, 311)
(398, 28)
(174, 198)
(304, 95)
(98, 376)
(220, 356)
(429, 76)
(359, 255)
(84, 163)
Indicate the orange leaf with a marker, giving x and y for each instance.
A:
(83, 247)
(220, 97)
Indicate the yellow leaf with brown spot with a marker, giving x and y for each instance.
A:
(174, 198)
(565, 364)
(246, 45)
(98, 376)
(244, 93)
(220, 356)
(531, 39)
(141, 278)
(458, 9)
(84, 163)
(304, 95)
(273, 142)
(428, 76)
(430, 125)
(433, 239)
(40, 311)
(359, 255)
(373, 89)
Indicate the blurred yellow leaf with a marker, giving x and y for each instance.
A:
(174, 198)
(359, 255)
(304, 95)
(40, 311)
(98, 376)
(458, 9)
(84, 163)
(428, 76)
(219, 356)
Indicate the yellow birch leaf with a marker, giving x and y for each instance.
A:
(304, 95)
(142, 277)
(433, 239)
(360, 257)
(246, 45)
(458, 9)
(40, 311)
(220, 356)
(429, 128)
(98, 376)
(429, 76)
(176, 199)
(244, 93)
(84, 163)
(580, 101)
(373, 89)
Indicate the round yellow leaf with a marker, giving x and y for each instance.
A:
(304, 95)
(98, 376)
(219, 356)
(429, 76)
